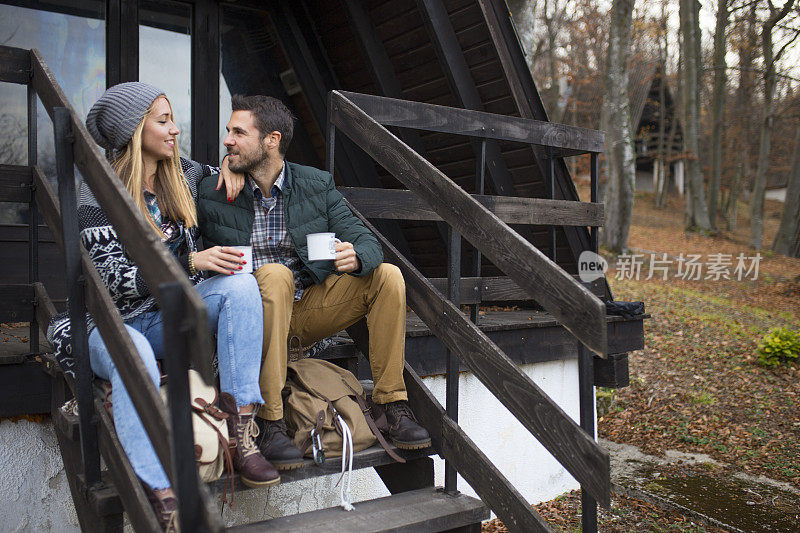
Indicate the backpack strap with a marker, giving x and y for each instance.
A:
(362, 403)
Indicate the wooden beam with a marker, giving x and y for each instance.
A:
(15, 183)
(529, 105)
(316, 77)
(495, 289)
(155, 262)
(567, 140)
(454, 445)
(582, 313)
(540, 415)
(122, 41)
(451, 59)
(15, 65)
(205, 81)
(255, 72)
(383, 74)
(45, 310)
(405, 205)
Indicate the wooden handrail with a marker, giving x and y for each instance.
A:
(582, 313)
(15, 65)
(155, 262)
(401, 204)
(538, 413)
(560, 138)
(144, 395)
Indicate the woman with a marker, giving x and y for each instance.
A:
(134, 121)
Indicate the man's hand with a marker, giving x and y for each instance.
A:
(346, 258)
(220, 259)
(234, 182)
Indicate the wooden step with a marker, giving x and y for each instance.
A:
(420, 511)
(369, 458)
(372, 457)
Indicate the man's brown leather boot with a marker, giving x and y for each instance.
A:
(276, 446)
(404, 430)
(254, 470)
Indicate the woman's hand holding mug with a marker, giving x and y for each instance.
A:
(222, 259)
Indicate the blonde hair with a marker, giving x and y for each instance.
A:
(174, 198)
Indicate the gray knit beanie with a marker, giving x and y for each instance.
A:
(114, 117)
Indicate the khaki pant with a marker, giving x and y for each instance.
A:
(328, 308)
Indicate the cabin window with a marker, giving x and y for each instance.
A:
(72, 43)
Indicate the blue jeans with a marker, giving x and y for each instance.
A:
(234, 315)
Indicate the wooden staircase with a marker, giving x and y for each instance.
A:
(415, 504)
(568, 308)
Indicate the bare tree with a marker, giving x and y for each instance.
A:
(786, 240)
(747, 49)
(620, 155)
(660, 163)
(696, 210)
(765, 138)
(718, 108)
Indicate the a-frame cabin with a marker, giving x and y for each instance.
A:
(450, 82)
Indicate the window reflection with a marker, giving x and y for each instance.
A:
(165, 48)
(72, 43)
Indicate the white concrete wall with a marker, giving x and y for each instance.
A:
(35, 495)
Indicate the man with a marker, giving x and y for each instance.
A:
(280, 204)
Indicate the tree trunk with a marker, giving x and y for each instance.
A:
(661, 163)
(673, 132)
(744, 97)
(765, 137)
(785, 239)
(620, 155)
(732, 209)
(718, 107)
(696, 209)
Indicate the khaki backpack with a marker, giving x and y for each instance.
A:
(320, 392)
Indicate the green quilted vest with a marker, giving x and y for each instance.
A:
(311, 205)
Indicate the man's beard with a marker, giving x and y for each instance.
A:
(245, 165)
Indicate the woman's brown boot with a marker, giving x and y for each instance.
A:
(254, 470)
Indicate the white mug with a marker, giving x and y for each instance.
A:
(247, 268)
(321, 246)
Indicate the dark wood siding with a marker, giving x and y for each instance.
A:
(400, 28)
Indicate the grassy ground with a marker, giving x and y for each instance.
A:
(697, 386)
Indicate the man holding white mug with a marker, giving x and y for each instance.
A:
(280, 207)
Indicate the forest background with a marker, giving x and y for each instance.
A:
(727, 111)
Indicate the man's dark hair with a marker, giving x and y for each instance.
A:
(270, 114)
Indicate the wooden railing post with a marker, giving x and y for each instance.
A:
(33, 216)
(551, 194)
(586, 403)
(176, 329)
(451, 386)
(480, 183)
(330, 138)
(593, 173)
(76, 283)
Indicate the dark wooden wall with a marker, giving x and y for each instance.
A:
(421, 77)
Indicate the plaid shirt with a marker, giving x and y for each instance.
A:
(270, 240)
